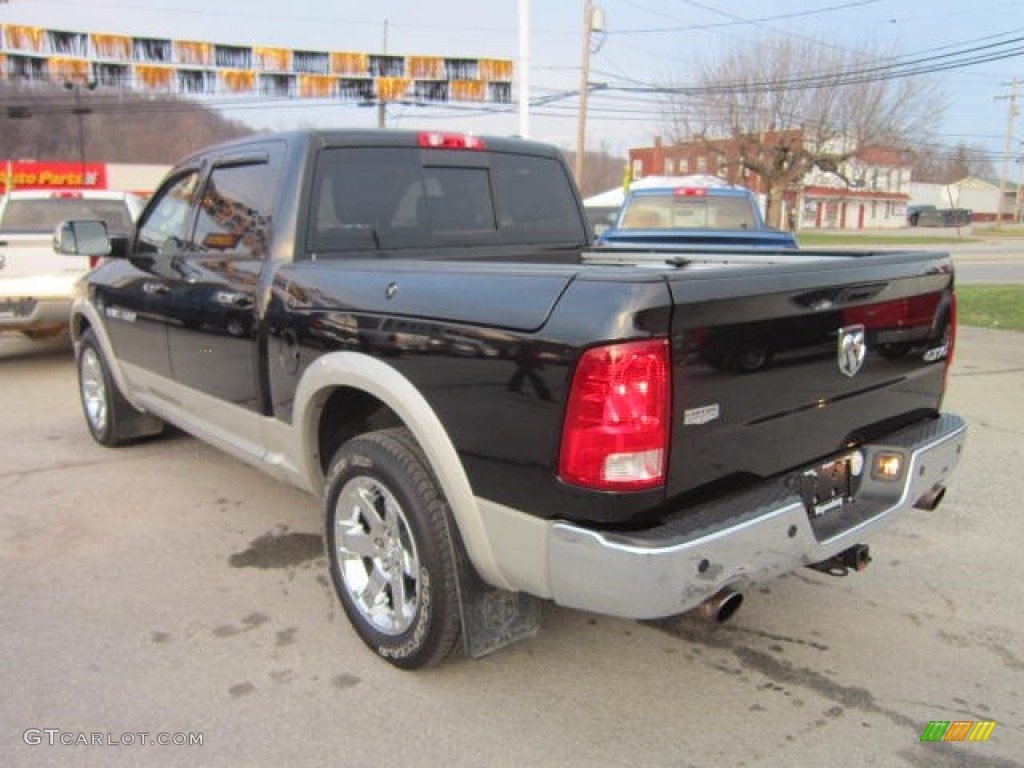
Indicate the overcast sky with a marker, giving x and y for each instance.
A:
(646, 42)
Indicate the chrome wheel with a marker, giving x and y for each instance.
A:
(376, 555)
(94, 390)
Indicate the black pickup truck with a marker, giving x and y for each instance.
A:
(416, 328)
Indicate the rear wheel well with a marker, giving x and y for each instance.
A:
(79, 325)
(347, 413)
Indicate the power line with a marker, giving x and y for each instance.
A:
(207, 12)
(738, 20)
(911, 65)
(902, 67)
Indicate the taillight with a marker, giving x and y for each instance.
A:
(616, 428)
(94, 261)
(436, 140)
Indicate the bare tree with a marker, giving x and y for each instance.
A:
(604, 170)
(944, 166)
(780, 107)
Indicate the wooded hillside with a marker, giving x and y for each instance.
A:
(40, 122)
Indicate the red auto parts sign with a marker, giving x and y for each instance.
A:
(38, 175)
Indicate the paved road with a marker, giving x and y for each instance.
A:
(169, 588)
(984, 260)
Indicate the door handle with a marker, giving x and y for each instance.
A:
(154, 288)
(234, 299)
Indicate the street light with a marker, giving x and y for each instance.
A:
(80, 110)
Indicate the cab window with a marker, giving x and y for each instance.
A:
(164, 228)
(235, 211)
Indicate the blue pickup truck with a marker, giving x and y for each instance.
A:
(704, 215)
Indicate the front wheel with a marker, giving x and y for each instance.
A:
(111, 419)
(391, 554)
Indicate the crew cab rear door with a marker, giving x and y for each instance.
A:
(213, 295)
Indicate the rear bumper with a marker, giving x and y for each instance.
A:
(32, 314)
(749, 537)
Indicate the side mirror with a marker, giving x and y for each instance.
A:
(82, 238)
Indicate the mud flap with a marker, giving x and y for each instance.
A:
(493, 618)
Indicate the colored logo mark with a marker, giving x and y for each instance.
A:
(958, 730)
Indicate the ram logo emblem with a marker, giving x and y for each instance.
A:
(852, 350)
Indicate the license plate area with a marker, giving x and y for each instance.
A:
(16, 307)
(832, 485)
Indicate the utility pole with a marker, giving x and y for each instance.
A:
(1011, 114)
(592, 19)
(382, 106)
(1020, 184)
(524, 68)
(80, 110)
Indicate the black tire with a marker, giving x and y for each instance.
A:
(111, 419)
(749, 358)
(390, 549)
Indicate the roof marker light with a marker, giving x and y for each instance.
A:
(437, 140)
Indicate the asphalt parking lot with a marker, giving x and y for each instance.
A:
(168, 590)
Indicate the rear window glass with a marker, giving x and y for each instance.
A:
(368, 199)
(535, 201)
(385, 199)
(671, 211)
(44, 214)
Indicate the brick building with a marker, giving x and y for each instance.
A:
(870, 190)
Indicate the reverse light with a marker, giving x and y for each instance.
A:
(616, 430)
(887, 466)
(437, 140)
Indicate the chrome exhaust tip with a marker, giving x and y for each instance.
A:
(721, 606)
(932, 499)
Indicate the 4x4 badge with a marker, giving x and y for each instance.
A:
(852, 349)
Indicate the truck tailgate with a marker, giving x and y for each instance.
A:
(776, 369)
(24, 255)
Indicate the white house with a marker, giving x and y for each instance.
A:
(977, 195)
